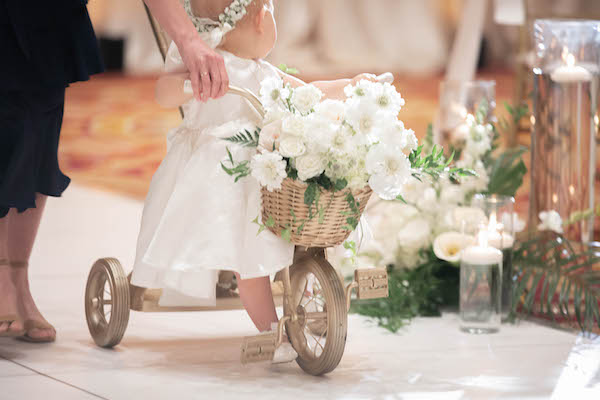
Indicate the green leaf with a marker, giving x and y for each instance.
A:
(286, 234)
(245, 139)
(270, 222)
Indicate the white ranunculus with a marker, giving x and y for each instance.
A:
(364, 88)
(291, 146)
(512, 222)
(305, 98)
(415, 234)
(389, 169)
(341, 142)
(449, 245)
(268, 169)
(310, 165)
(479, 141)
(468, 218)
(551, 221)
(333, 110)
(452, 193)
(294, 125)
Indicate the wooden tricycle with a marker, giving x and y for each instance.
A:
(314, 299)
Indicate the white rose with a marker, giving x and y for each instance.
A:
(291, 146)
(294, 125)
(449, 245)
(309, 165)
(469, 218)
(305, 98)
(551, 221)
(269, 135)
(415, 235)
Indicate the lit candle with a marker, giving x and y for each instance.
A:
(481, 255)
(570, 72)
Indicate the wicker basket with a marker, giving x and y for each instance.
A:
(330, 232)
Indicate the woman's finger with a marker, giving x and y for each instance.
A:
(195, 84)
(215, 79)
(224, 77)
(205, 80)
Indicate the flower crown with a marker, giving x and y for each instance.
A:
(213, 31)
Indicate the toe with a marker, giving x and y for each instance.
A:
(16, 326)
(41, 334)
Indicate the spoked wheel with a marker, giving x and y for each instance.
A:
(107, 302)
(319, 333)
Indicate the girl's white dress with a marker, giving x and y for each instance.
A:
(196, 219)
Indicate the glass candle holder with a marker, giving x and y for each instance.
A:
(480, 288)
(500, 217)
(565, 122)
(459, 102)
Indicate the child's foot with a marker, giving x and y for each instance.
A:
(285, 353)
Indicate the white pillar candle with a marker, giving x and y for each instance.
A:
(570, 72)
(481, 255)
(506, 241)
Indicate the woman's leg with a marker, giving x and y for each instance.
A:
(257, 298)
(22, 229)
(8, 293)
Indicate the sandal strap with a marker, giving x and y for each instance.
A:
(19, 264)
(36, 324)
(9, 318)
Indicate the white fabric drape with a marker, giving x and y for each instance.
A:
(359, 35)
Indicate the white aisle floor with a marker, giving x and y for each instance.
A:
(196, 355)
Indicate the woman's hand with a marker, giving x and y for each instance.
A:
(206, 67)
(360, 77)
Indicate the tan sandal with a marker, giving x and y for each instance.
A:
(32, 324)
(10, 318)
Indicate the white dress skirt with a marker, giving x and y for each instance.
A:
(196, 219)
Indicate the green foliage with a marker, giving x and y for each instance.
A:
(552, 278)
(421, 291)
(238, 170)
(245, 138)
(288, 70)
(506, 169)
(435, 164)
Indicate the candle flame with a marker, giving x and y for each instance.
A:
(493, 225)
(570, 60)
(482, 238)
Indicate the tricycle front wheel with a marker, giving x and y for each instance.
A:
(319, 332)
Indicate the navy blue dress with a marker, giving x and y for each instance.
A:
(44, 46)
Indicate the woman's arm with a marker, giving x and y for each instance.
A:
(207, 68)
(331, 89)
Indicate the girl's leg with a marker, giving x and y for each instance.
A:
(257, 298)
(23, 228)
(8, 293)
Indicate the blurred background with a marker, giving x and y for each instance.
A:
(114, 132)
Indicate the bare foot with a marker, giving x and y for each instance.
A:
(28, 309)
(8, 303)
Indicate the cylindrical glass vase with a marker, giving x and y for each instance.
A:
(565, 123)
(480, 289)
(499, 211)
(459, 102)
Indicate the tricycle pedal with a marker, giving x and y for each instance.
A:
(259, 348)
(372, 283)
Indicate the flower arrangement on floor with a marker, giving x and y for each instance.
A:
(420, 240)
(325, 157)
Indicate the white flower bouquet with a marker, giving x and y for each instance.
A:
(343, 149)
